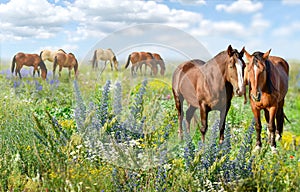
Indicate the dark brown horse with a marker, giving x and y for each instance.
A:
(33, 60)
(160, 62)
(65, 60)
(139, 58)
(268, 85)
(208, 86)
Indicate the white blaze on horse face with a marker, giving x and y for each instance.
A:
(239, 67)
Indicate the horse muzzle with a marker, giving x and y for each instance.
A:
(239, 92)
(257, 97)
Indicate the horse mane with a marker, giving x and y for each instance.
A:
(62, 50)
(258, 55)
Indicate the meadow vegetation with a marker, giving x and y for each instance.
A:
(117, 133)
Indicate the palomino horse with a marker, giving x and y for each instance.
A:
(50, 55)
(268, 85)
(138, 59)
(158, 60)
(65, 60)
(208, 86)
(105, 55)
(29, 60)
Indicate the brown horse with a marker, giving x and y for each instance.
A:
(268, 85)
(139, 58)
(208, 86)
(65, 60)
(33, 60)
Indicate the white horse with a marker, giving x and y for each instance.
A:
(105, 55)
(50, 55)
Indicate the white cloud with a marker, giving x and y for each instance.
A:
(240, 6)
(32, 18)
(290, 2)
(190, 2)
(287, 30)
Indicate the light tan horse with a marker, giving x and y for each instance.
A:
(28, 60)
(50, 55)
(105, 55)
(65, 60)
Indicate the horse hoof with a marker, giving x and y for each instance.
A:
(278, 137)
(257, 148)
(274, 150)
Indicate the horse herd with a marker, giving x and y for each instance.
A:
(204, 85)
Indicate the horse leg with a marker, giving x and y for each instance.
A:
(179, 106)
(54, 68)
(257, 120)
(279, 121)
(111, 66)
(203, 115)
(272, 128)
(223, 115)
(18, 71)
(189, 115)
(59, 72)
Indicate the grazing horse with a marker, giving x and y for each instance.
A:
(28, 60)
(208, 86)
(65, 60)
(105, 55)
(138, 59)
(267, 77)
(158, 60)
(50, 55)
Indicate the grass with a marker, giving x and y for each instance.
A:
(117, 133)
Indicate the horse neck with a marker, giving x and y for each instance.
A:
(218, 63)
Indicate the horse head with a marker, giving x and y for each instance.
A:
(257, 70)
(235, 69)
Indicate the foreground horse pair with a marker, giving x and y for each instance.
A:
(138, 59)
(211, 85)
(62, 59)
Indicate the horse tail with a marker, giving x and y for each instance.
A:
(41, 53)
(94, 58)
(76, 67)
(128, 61)
(285, 117)
(42, 65)
(13, 64)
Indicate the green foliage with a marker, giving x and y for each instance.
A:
(94, 135)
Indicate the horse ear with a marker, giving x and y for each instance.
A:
(248, 56)
(230, 50)
(266, 54)
(242, 52)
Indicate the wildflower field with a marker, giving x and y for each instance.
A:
(117, 133)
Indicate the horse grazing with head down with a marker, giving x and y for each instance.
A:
(65, 60)
(208, 86)
(33, 60)
(138, 59)
(50, 55)
(105, 55)
(156, 60)
(267, 77)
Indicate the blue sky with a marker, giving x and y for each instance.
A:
(79, 26)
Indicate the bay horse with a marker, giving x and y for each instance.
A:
(34, 60)
(160, 62)
(208, 86)
(268, 85)
(50, 55)
(105, 55)
(138, 59)
(65, 60)
(157, 60)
